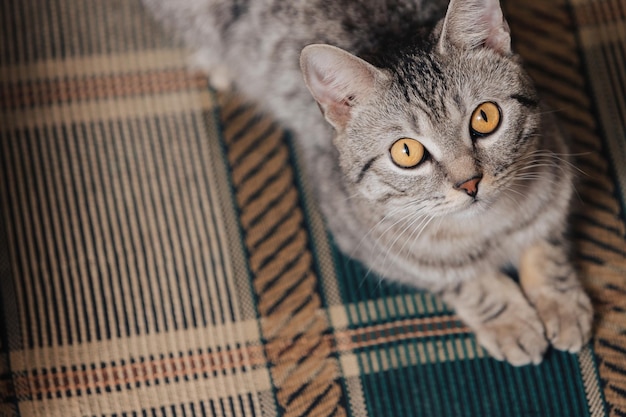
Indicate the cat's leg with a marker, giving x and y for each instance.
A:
(552, 286)
(505, 324)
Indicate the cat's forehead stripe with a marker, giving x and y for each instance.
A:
(422, 81)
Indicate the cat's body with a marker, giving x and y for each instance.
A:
(474, 205)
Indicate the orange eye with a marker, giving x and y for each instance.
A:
(407, 153)
(485, 119)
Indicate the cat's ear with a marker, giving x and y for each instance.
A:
(337, 80)
(474, 24)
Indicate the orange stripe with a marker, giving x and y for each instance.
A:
(151, 370)
(38, 93)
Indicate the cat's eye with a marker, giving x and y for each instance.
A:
(407, 153)
(485, 119)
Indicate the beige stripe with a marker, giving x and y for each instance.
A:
(50, 274)
(165, 230)
(171, 217)
(191, 251)
(135, 399)
(135, 280)
(590, 380)
(137, 188)
(52, 174)
(108, 109)
(25, 229)
(77, 267)
(96, 65)
(150, 219)
(99, 248)
(356, 396)
(110, 232)
(410, 354)
(399, 306)
(26, 301)
(136, 346)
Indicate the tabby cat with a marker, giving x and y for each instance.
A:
(433, 160)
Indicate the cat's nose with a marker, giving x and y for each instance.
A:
(469, 186)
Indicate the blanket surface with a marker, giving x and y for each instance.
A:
(161, 253)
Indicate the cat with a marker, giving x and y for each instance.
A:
(433, 160)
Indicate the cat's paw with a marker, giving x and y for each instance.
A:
(566, 315)
(515, 336)
(504, 322)
(551, 285)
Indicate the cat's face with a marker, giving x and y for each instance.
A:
(443, 134)
(444, 127)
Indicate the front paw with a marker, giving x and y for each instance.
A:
(516, 336)
(552, 287)
(567, 316)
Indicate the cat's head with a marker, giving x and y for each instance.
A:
(441, 124)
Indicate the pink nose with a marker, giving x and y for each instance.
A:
(470, 186)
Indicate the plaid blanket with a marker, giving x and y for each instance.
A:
(161, 253)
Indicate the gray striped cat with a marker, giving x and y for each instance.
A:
(432, 158)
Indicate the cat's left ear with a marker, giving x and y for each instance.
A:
(337, 80)
(472, 24)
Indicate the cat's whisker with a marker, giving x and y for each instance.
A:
(556, 156)
(521, 179)
(516, 192)
(377, 239)
(551, 181)
(419, 229)
(393, 212)
(414, 237)
(421, 218)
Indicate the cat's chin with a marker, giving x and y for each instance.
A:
(472, 208)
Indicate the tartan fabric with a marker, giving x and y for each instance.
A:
(161, 253)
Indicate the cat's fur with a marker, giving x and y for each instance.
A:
(423, 72)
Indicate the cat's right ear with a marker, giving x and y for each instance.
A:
(471, 24)
(337, 80)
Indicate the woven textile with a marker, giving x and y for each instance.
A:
(161, 253)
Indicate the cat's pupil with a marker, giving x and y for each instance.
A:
(406, 150)
(484, 116)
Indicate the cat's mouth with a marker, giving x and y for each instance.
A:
(474, 206)
(468, 208)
